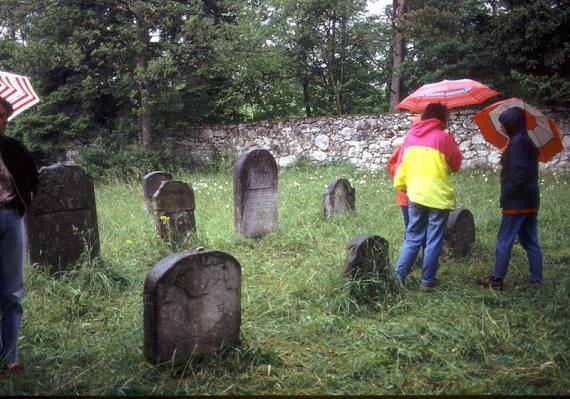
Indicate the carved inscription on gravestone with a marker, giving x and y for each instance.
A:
(151, 182)
(460, 232)
(173, 204)
(255, 194)
(62, 221)
(338, 198)
(192, 305)
(367, 257)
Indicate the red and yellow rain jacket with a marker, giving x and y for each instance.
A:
(427, 157)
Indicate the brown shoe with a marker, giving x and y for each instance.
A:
(14, 368)
(489, 281)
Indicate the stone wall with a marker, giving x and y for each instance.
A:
(363, 140)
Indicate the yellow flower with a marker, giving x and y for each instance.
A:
(129, 242)
(164, 218)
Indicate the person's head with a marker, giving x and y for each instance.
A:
(437, 111)
(513, 120)
(5, 111)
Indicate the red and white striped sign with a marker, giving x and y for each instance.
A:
(18, 91)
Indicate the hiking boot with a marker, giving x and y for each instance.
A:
(428, 287)
(490, 281)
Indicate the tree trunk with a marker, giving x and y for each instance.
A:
(143, 39)
(398, 53)
(330, 63)
(306, 97)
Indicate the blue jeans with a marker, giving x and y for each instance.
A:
(12, 239)
(525, 227)
(426, 224)
(406, 216)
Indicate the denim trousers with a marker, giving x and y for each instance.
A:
(12, 239)
(525, 227)
(425, 225)
(406, 217)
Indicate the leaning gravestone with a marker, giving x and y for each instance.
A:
(367, 257)
(62, 220)
(173, 205)
(192, 305)
(460, 232)
(338, 198)
(151, 182)
(255, 193)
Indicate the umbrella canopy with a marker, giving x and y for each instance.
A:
(541, 129)
(18, 91)
(452, 93)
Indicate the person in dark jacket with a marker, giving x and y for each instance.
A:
(520, 200)
(18, 182)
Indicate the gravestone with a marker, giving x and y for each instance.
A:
(192, 305)
(151, 182)
(367, 257)
(338, 198)
(255, 193)
(173, 204)
(460, 232)
(62, 220)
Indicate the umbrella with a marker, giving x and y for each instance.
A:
(541, 129)
(18, 91)
(452, 93)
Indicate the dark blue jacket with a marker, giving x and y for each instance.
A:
(519, 173)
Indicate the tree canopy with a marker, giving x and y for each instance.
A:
(132, 71)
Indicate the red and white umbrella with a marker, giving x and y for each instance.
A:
(18, 91)
(541, 129)
(452, 93)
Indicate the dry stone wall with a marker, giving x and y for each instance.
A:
(363, 140)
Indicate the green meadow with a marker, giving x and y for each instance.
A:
(303, 330)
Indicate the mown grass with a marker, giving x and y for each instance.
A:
(302, 332)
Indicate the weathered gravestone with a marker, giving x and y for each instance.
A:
(173, 204)
(62, 220)
(367, 257)
(255, 193)
(338, 198)
(151, 182)
(192, 305)
(460, 232)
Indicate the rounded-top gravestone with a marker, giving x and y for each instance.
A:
(460, 232)
(151, 182)
(338, 198)
(255, 193)
(173, 204)
(62, 220)
(367, 257)
(192, 305)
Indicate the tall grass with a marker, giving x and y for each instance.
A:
(302, 331)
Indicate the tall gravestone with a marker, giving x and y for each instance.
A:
(460, 232)
(173, 204)
(367, 256)
(62, 220)
(338, 198)
(255, 193)
(151, 182)
(192, 305)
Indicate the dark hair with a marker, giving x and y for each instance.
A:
(7, 105)
(437, 111)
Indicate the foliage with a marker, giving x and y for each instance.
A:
(302, 332)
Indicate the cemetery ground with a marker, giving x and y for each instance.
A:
(304, 330)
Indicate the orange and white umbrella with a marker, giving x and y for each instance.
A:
(18, 91)
(452, 93)
(541, 129)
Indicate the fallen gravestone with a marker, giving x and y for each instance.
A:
(62, 220)
(460, 232)
(367, 257)
(173, 204)
(338, 198)
(192, 305)
(255, 193)
(151, 182)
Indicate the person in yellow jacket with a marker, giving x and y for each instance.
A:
(427, 157)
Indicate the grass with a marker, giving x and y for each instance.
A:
(302, 331)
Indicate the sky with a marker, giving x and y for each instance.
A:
(376, 7)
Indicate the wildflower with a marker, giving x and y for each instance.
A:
(128, 242)
(164, 219)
